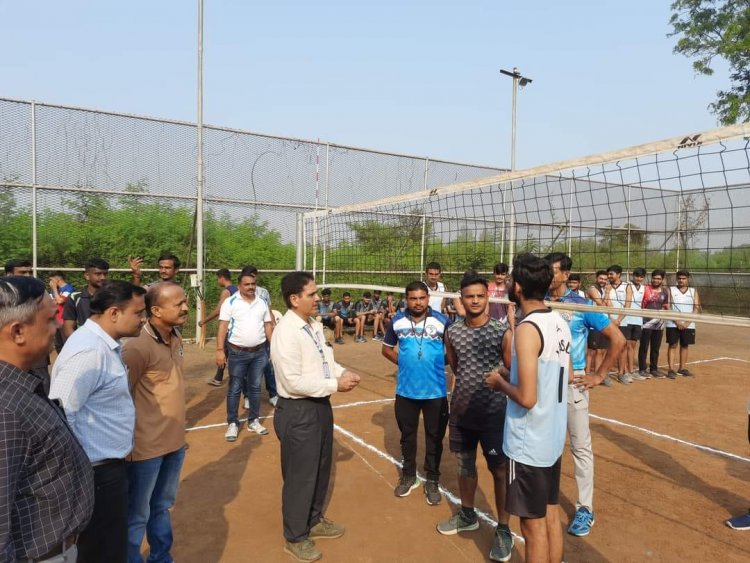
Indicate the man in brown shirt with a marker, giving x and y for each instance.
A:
(154, 361)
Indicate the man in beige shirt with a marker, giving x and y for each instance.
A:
(306, 376)
(154, 361)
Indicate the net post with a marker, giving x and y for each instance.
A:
(34, 210)
(299, 263)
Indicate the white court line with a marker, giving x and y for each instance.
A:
(344, 406)
(453, 499)
(671, 438)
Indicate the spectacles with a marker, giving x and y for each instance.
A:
(17, 290)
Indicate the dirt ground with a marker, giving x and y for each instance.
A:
(656, 499)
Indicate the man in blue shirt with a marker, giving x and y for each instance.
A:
(91, 380)
(420, 387)
(580, 324)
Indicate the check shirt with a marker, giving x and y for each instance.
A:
(91, 381)
(46, 480)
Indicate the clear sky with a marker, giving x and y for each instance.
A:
(413, 76)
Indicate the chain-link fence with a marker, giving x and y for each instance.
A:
(78, 183)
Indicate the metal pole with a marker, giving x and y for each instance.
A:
(34, 253)
(424, 218)
(300, 254)
(679, 234)
(317, 205)
(570, 220)
(199, 203)
(502, 233)
(327, 223)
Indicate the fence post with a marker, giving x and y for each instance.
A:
(326, 223)
(300, 257)
(424, 221)
(34, 242)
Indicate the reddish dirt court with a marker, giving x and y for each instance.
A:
(655, 499)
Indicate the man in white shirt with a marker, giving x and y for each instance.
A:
(90, 379)
(684, 299)
(245, 324)
(306, 376)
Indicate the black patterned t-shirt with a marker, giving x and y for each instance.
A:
(478, 350)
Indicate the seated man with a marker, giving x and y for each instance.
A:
(345, 311)
(327, 315)
(368, 315)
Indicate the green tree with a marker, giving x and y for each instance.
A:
(708, 29)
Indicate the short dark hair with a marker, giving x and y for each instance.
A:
(224, 273)
(500, 268)
(574, 277)
(601, 273)
(659, 272)
(96, 264)
(466, 281)
(682, 273)
(566, 264)
(415, 286)
(170, 256)
(20, 297)
(248, 271)
(57, 274)
(639, 272)
(433, 266)
(11, 265)
(326, 291)
(293, 283)
(533, 274)
(366, 295)
(346, 294)
(114, 293)
(615, 268)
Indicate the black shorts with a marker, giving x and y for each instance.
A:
(631, 332)
(466, 440)
(597, 341)
(328, 321)
(531, 489)
(685, 337)
(348, 321)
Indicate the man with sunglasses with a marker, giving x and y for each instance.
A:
(47, 492)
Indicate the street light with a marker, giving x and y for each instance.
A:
(518, 80)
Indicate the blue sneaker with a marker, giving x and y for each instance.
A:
(582, 523)
(740, 522)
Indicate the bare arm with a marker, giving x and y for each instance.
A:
(215, 313)
(221, 337)
(68, 328)
(528, 343)
(268, 328)
(595, 296)
(616, 344)
(135, 267)
(389, 353)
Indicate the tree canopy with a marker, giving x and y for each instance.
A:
(708, 29)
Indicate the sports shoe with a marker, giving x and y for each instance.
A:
(636, 375)
(685, 372)
(582, 522)
(657, 373)
(273, 400)
(326, 529)
(432, 493)
(339, 340)
(361, 339)
(232, 431)
(247, 404)
(645, 374)
(739, 522)
(458, 523)
(304, 550)
(607, 381)
(625, 378)
(502, 545)
(671, 374)
(257, 427)
(405, 486)
(215, 382)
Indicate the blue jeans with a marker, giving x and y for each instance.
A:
(269, 374)
(245, 372)
(152, 490)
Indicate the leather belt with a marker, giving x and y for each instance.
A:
(59, 549)
(246, 348)
(105, 462)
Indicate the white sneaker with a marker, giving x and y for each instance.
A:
(247, 404)
(273, 400)
(232, 431)
(257, 427)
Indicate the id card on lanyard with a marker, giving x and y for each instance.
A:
(314, 336)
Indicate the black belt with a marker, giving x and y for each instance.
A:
(106, 462)
(321, 400)
(246, 348)
(59, 549)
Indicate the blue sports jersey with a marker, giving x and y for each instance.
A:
(421, 355)
(580, 323)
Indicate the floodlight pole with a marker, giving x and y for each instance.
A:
(200, 187)
(523, 81)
